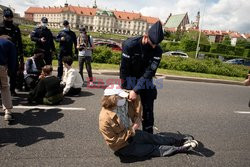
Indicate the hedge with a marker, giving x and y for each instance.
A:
(209, 66)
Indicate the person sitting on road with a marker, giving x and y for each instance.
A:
(72, 80)
(119, 123)
(48, 90)
(33, 68)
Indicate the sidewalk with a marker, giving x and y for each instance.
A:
(174, 77)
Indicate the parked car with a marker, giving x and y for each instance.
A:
(238, 62)
(176, 53)
(112, 45)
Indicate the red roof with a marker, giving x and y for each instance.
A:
(74, 9)
(121, 15)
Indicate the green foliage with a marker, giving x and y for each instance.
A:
(204, 48)
(243, 43)
(28, 46)
(227, 40)
(239, 51)
(188, 45)
(194, 35)
(210, 66)
(103, 54)
(247, 53)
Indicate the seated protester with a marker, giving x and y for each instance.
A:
(33, 68)
(119, 123)
(48, 90)
(72, 80)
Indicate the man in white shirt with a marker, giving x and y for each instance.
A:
(72, 80)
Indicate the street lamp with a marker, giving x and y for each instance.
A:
(200, 28)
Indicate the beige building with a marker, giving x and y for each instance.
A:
(93, 19)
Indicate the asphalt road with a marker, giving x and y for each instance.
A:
(67, 135)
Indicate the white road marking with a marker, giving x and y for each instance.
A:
(242, 112)
(52, 107)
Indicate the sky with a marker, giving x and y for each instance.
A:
(215, 14)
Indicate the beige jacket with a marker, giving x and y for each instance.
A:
(114, 132)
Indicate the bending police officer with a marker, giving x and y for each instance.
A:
(141, 57)
(44, 40)
(8, 28)
(67, 38)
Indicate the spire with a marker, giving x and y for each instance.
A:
(95, 5)
(66, 4)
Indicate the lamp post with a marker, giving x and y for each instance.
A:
(200, 28)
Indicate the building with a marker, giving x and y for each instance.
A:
(17, 18)
(176, 22)
(94, 19)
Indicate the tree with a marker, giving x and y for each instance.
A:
(194, 35)
(227, 40)
(243, 43)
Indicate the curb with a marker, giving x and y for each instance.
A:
(173, 77)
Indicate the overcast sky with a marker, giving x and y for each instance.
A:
(216, 14)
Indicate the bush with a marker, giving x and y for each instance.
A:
(188, 45)
(204, 48)
(172, 46)
(239, 51)
(210, 66)
(247, 53)
(28, 46)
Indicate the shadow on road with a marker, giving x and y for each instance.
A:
(23, 137)
(36, 117)
(199, 151)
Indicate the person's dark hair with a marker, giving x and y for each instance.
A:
(68, 60)
(47, 70)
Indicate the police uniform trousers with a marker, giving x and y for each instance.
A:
(60, 64)
(48, 58)
(147, 99)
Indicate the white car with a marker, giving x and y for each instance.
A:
(175, 53)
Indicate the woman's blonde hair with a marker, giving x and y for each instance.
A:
(109, 102)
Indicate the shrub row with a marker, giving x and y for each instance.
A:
(209, 66)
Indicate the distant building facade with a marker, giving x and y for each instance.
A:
(93, 19)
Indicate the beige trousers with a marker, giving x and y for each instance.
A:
(5, 90)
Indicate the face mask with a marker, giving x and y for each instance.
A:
(8, 23)
(121, 102)
(44, 24)
(66, 29)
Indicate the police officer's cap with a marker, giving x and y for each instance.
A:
(155, 33)
(65, 22)
(7, 13)
(82, 29)
(44, 20)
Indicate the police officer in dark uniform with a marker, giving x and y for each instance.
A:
(67, 38)
(141, 57)
(8, 28)
(44, 40)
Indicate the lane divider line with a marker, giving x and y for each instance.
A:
(48, 107)
(242, 112)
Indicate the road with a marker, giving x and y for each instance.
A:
(67, 135)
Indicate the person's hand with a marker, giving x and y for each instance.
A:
(135, 126)
(62, 38)
(43, 40)
(42, 76)
(132, 95)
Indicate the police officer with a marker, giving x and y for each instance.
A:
(8, 28)
(44, 40)
(67, 38)
(141, 57)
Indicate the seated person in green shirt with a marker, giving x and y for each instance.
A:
(48, 90)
